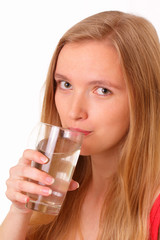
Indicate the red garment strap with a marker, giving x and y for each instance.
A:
(155, 219)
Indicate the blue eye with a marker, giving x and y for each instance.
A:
(65, 85)
(103, 91)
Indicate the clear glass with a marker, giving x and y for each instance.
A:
(62, 148)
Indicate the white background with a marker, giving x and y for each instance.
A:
(29, 32)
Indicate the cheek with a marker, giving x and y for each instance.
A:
(114, 122)
(108, 134)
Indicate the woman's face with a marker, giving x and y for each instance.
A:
(91, 95)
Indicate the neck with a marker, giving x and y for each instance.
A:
(103, 168)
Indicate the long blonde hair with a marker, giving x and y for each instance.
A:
(129, 200)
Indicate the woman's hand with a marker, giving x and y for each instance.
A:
(18, 184)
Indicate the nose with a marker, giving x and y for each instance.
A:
(78, 107)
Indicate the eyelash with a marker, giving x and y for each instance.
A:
(59, 83)
(108, 92)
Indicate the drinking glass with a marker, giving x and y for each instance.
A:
(62, 148)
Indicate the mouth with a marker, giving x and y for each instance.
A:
(85, 132)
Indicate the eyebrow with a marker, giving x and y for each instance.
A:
(93, 82)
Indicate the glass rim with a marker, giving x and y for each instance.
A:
(62, 128)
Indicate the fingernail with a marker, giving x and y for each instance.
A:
(26, 199)
(44, 159)
(46, 191)
(50, 180)
(77, 185)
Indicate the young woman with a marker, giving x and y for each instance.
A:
(103, 80)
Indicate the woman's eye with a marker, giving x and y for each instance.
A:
(103, 91)
(65, 85)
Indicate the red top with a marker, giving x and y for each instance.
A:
(155, 219)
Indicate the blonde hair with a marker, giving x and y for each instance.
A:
(129, 200)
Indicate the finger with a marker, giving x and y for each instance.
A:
(33, 188)
(73, 185)
(17, 197)
(22, 171)
(15, 193)
(33, 155)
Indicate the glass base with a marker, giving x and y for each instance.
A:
(44, 208)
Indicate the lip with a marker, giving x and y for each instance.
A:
(81, 130)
